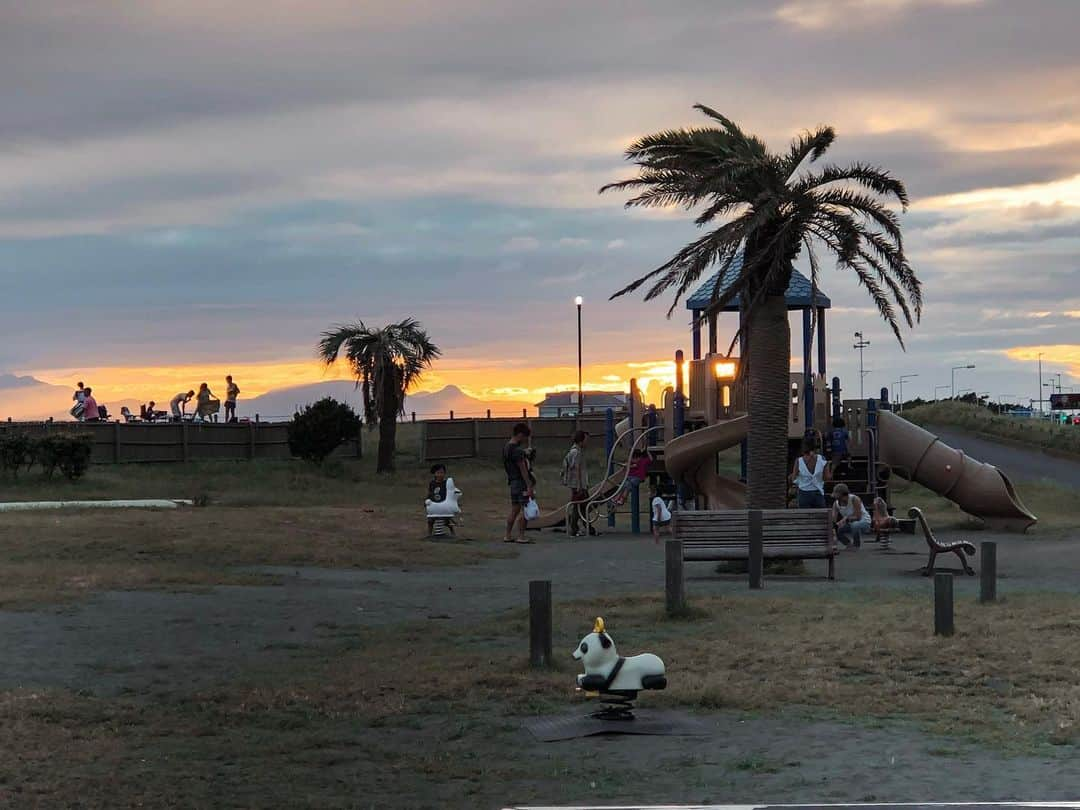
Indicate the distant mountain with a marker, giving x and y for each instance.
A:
(9, 381)
(283, 404)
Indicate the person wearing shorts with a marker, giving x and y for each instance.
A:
(517, 478)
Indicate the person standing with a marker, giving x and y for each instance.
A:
(202, 404)
(517, 477)
(575, 475)
(232, 391)
(78, 410)
(90, 406)
(809, 474)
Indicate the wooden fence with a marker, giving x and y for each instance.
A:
(121, 442)
(443, 439)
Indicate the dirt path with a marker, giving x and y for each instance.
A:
(162, 641)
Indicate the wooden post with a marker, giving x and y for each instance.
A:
(988, 571)
(251, 440)
(489, 413)
(451, 416)
(757, 551)
(539, 622)
(414, 417)
(183, 441)
(476, 438)
(674, 588)
(523, 414)
(943, 605)
(116, 442)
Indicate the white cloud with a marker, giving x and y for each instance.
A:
(521, 244)
(616, 244)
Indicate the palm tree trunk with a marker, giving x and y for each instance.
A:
(769, 358)
(388, 414)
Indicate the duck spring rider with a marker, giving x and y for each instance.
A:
(614, 679)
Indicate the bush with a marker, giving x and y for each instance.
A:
(319, 429)
(16, 450)
(70, 452)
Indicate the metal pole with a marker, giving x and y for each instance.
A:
(580, 395)
(860, 344)
(1040, 383)
(635, 496)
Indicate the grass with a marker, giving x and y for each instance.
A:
(1053, 504)
(327, 727)
(1041, 433)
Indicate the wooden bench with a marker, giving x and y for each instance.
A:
(787, 534)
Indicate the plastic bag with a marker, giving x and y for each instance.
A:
(532, 509)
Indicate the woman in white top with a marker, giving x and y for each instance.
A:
(849, 516)
(809, 474)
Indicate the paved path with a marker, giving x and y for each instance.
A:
(1018, 463)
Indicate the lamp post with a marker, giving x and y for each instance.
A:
(902, 378)
(861, 344)
(580, 394)
(958, 368)
(938, 388)
(1040, 384)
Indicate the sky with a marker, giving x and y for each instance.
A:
(192, 188)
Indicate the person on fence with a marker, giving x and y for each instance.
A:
(90, 406)
(178, 405)
(436, 491)
(809, 475)
(79, 398)
(149, 414)
(849, 516)
(517, 477)
(232, 391)
(575, 475)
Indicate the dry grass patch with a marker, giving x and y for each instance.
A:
(58, 556)
(1039, 433)
(428, 715)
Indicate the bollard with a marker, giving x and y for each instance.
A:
(540, 623)
(988, 571)
(674, 588)
(757, 551)
(943, 605)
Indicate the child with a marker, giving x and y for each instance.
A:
(639, 472)
(659, 514)
(436, 490)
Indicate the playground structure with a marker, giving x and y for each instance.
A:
(685, 436)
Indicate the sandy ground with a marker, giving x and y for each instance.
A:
(155, 642)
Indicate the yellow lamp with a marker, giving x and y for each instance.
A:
(725, 369)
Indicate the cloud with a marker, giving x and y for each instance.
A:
(822, 14)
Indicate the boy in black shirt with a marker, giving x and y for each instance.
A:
(436, 490)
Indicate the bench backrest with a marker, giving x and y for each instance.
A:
(798, 527)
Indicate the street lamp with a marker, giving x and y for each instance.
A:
(580, 395)
(861, 344)
(938, 388)
(956, 369)
(902, 378)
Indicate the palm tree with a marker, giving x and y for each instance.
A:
(769, 207)
(386, 363)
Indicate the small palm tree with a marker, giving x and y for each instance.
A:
(768, 208)
(386, 362)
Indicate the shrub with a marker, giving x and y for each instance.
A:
(68, 452)
(319, 429)
(16, 450)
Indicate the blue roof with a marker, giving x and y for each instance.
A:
(797, 295)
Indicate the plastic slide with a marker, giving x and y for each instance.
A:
(605, 489)
(691, 461)
(979, 489)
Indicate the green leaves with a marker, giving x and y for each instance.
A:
(761, 206)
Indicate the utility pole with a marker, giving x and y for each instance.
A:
(861, 344)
